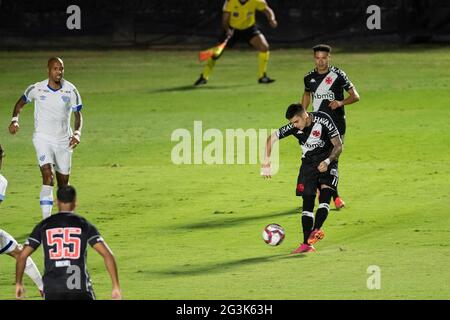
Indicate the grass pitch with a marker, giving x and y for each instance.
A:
(194, 231)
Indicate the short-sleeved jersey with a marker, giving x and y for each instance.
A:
(327, 87)
(315, 140)
(64, 237)
(52, 109)
(242, 15)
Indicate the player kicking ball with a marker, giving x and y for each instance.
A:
(9, 245)
(321, 146)
(54, 100)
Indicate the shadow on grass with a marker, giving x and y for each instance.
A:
(192, 87)
(230, 222)
(188, 270)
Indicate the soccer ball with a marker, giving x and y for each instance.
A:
(273, 234)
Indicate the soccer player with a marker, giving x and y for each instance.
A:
(54, 99)
(64, 237)
(239, 23)
(321, 146)
(325, 86)
(9, 245)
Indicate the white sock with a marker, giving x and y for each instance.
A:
(46, 200)
(32, 271)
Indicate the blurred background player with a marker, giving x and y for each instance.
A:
(239, 23)
(325, 85)
(54, 99)
(65, 237)
(9, 245)
(321, 146)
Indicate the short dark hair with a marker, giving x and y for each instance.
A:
(53, 59)
(322, 47)
(66, 194)
(293, 110)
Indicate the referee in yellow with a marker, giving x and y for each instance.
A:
(238, 21)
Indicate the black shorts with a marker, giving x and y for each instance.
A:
(69, 296)
(241, 35)
(310, 179)
(341, 125)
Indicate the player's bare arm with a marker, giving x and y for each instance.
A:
(14, 125)
(110, 263)
(270, 17)
(306, 99)
(337, 149)
(76, 137)
(352, 98)
(20, 268)
(265, 167)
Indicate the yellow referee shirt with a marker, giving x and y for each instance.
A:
(242, 16)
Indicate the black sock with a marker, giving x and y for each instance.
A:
(307, 224)
(324, 207)
(335, 195)
(321, 216)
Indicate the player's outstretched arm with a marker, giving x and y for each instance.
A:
(110, 263)
(265, 167)
(76, 137)
(20, 268)
(270, 17)
(337, 149)
(14, 125)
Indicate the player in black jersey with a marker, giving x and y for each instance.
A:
(64, 238)
(325, 85)
(321, 146)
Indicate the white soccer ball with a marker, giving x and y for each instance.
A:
(273, 234)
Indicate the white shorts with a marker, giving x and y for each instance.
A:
(56, 153)
(3, 185)
(7, 242)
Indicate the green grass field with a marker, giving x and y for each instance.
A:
(194, 231)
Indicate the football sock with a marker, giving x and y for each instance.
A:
(335, 195)
(307, 216)
(208, 68)
(46, 200)
(307, 224)
(263, 60)
(32, 271)
(321, 215)
(324, 207)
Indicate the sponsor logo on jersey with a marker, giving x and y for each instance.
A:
(65, 99)
(42, 97)
(329, 95)
(325, 122)
(312, 146)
